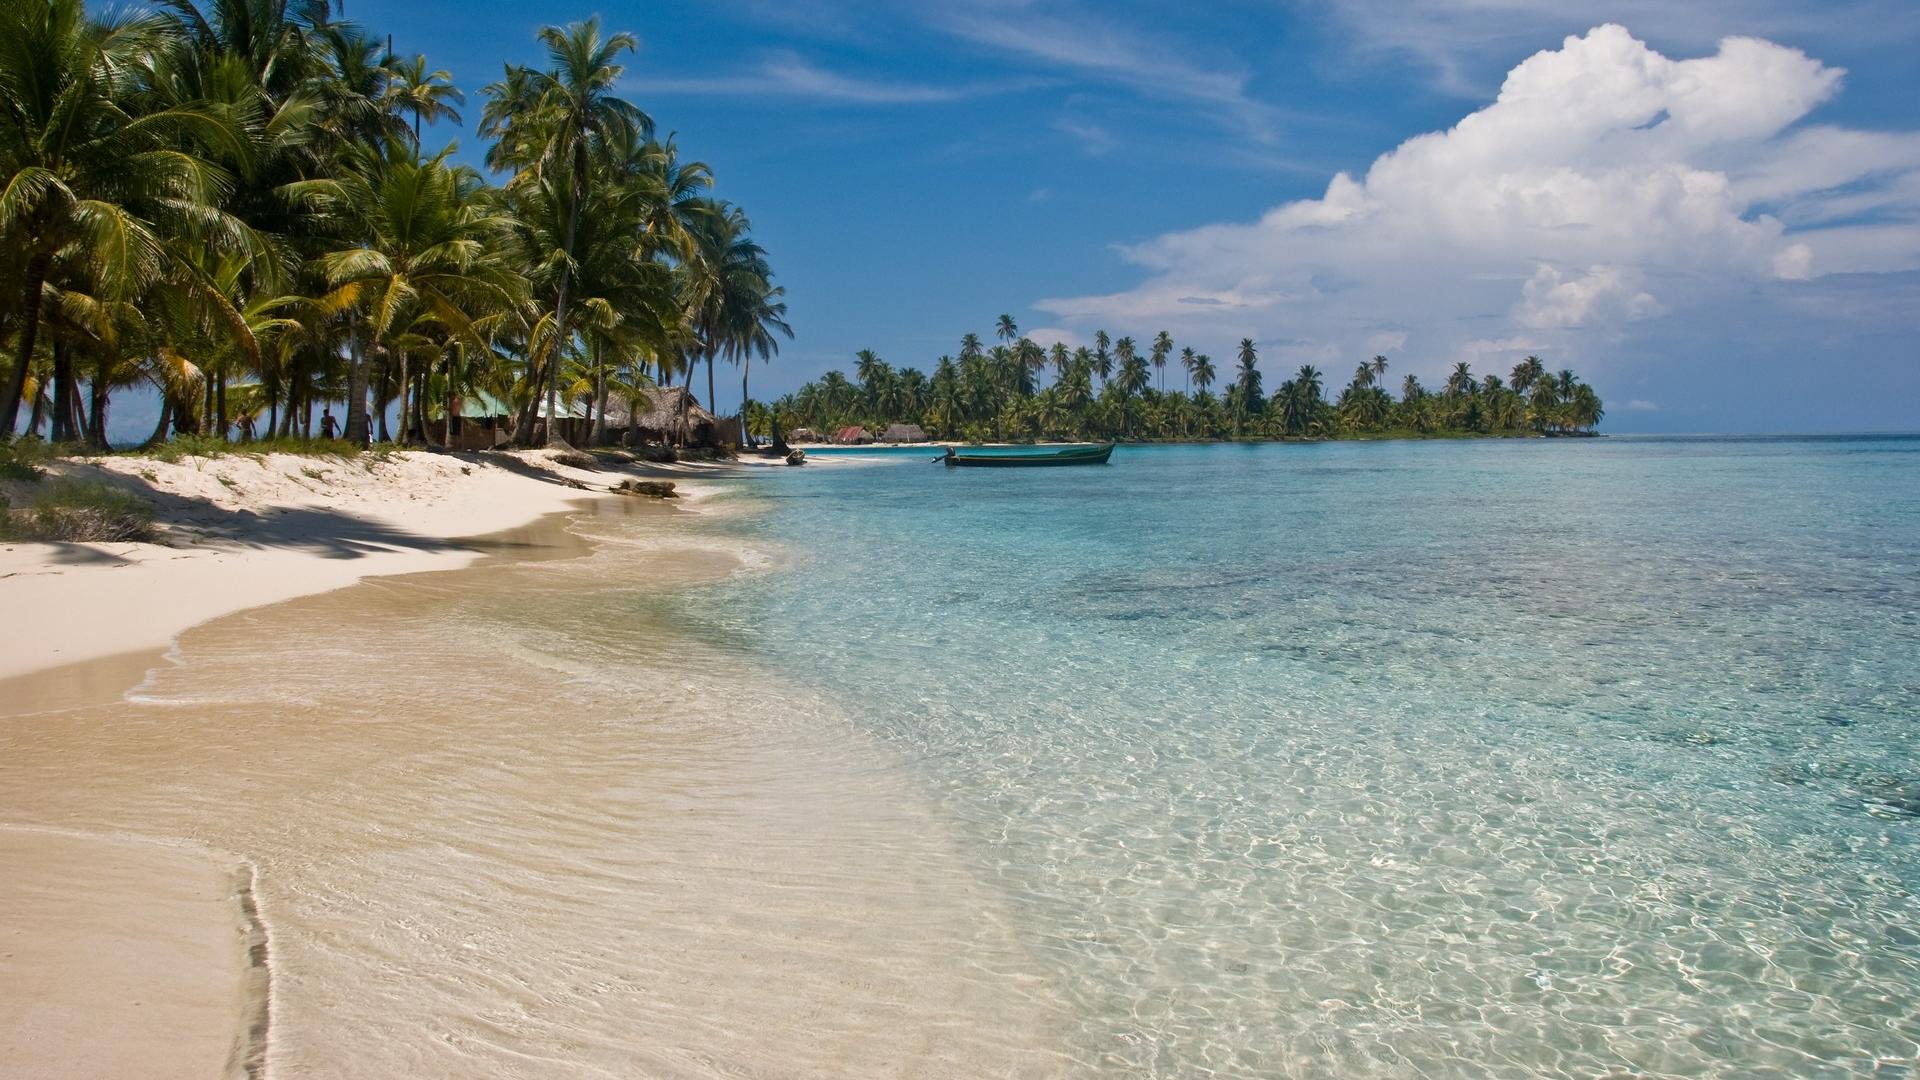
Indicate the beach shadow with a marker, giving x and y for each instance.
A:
(192, 521)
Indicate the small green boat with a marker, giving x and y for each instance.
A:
(1072, 455)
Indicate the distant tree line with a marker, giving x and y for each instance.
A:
(1019, 390)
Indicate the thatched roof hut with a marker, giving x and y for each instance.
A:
(667, 414)
(804, 434)
(904, 433)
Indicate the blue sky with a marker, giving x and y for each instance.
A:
(1721, 237)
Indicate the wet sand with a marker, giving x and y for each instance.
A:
(510, 821)
(123, 957)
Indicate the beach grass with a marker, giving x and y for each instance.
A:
(78, 511)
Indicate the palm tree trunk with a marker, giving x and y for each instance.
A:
(746, 361)
(446, 427)
(356, 395)
(633, 414)
(221, 404)
(380, 398)
(206, 403)
(62, 430)
(166, 417)
(29, 333)
(406, 415)
(97, 421)
(39, 411)
(417, 419)
(560, 308)
(711, 404)
(599, 436)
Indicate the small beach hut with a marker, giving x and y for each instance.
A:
(480, 422)
(904, 433)
(852, 436)
(804, 435)
(665, 414)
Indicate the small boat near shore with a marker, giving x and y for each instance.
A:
(1072, 455)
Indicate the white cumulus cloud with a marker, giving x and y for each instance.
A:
(1553, 300)
(1604, 174)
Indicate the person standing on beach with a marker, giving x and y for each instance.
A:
(328, 425)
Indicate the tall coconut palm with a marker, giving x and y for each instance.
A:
(546, 124)
(1460, 381)
(1203, 372)
(1005, 329)
(1525, 374)
(1162, 345)
(428, 96)
(1102, 359)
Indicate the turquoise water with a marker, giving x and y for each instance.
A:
(1564, 758)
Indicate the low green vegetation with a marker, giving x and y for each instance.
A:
(78, 511)
(1018, 390)
(21, 460)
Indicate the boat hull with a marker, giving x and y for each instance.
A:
(1097, 455)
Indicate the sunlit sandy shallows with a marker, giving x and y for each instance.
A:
(503, 826)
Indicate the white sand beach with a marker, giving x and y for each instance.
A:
(123, 955)
(242, 531)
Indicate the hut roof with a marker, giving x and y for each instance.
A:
(480, 405)
(904, 433)
(661, 409)
(852, 434)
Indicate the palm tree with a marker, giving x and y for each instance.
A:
(1162, 345)
(1585, 409)
(429, 96)
(1460, 381)
(429, 268)
(546, 123)
(86, 164)
(869, 370)
(1299, 400)
(1379, 368)
(1246, 386)
(1102, 359)
(1526, 373)
(1005, 330)
(1203, 373)
(1363, 376)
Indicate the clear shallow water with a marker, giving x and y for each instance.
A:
(1453, 758)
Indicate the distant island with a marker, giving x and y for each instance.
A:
(1114, 390)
